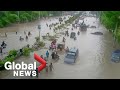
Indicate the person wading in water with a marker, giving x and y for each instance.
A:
(51, 66)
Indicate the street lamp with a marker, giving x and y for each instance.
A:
(39, 27)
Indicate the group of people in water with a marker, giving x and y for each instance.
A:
(66, 33)
(48, 65)
(3, 45)
(54, 48)
(26, 37)
(53, 24)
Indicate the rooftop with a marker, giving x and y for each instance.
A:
(73, 50)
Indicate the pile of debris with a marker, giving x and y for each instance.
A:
(97, 33)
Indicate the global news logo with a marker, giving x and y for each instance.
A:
(22, 69)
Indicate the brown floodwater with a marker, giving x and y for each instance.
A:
(93, 61)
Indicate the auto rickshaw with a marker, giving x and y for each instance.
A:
(72, 35)
(60, 46)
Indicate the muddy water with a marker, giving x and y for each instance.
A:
(12, 39)
(94, 52)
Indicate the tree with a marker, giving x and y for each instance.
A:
(9, 17)
(111, 20)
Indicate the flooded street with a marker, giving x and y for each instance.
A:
(93, 61)
(13, 39)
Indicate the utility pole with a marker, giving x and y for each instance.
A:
(39, 27)
(18, 17)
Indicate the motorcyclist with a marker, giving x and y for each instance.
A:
(56, 55)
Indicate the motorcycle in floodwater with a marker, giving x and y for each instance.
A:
(4, 46)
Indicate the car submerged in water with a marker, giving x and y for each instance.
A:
(115, 56)
(71, 56)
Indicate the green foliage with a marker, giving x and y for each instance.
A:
(31, 49)
(111, 20)
(41, 44)
(1, 24)
(23, 18)
(13, 18)
(67, 22)
(13, 52)
(8, 58)
(55, 13)
(26, 51)
(9, 17)
(51, 38)
(5, 21)
(37, 39)
(11, 56)
(1, 63)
